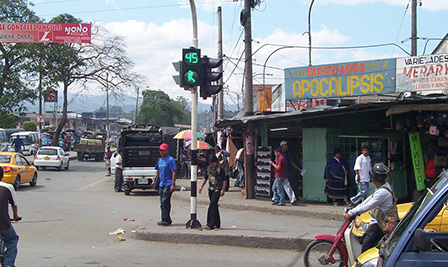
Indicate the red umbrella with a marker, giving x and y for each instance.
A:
(186, 134)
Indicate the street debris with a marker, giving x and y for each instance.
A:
(120, 238)
(119, 231)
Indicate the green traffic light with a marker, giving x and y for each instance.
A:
(192, 58)
(191, 77)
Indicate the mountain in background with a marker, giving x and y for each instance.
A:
(90, 103)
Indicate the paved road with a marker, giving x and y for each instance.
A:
(67, 218)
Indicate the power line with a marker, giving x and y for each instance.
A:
(401, 24)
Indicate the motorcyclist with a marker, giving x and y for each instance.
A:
(382, 199)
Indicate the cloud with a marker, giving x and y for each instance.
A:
(431, 5)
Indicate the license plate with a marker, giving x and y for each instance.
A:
(47, 158)
(143, 181)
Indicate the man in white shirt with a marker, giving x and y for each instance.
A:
(119, 171)
(362, 168)
(382, 199)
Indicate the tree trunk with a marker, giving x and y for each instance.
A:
(63, 119)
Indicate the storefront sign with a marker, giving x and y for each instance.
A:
(417, 160)
(341, 80)
(422, 73)
(45, 32)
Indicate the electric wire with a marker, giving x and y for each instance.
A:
(401, 24)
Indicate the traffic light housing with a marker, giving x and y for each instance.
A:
(190, 69)
(209, 76)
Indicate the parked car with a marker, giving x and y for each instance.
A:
(46, 139)
(17, 169)
(51, 156)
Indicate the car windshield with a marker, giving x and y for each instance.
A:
(47, 136)
(5, 158)
(413, 212)
(48, 152)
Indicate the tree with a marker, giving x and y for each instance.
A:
(30, 126)
(159, 109)
(8, 120)
(102, 62)
(15, 88)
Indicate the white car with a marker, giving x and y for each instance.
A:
(51, 156)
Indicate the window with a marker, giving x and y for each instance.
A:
(5, 158)
(48, 152)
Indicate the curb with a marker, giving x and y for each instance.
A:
(308, 213)
(217, 238)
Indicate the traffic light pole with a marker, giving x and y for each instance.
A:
(193, 223)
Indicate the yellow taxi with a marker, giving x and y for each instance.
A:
(17, 170)
(369, 257)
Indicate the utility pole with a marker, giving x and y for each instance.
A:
(248, 100)
(136, 104)
(40, 106)
(193, 223)
(220, 68)
(414, 28)
(107, 105)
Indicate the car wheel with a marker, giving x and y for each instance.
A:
(17, 183)
(34, 181)
(68, 163)
(127, 192)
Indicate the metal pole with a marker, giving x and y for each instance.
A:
(193, 223)
(40, 106)
(249, 105)
(107, 105)
(414, 29)
(220, 68)
(309, 30)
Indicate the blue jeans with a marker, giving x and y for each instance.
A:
(364, 192)
(165, 203)
(279, 191)
(240, 179)
(11, 239)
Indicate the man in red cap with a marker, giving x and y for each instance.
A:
(166, 171)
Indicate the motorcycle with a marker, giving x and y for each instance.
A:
(340, 250)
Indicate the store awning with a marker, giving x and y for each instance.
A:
(400, 109)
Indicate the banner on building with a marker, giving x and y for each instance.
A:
(417, 160)
(422, 73)
(341, 80)
(45, 32)
(51, 96)
(265, 100)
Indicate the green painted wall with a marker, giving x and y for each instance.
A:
(314, 162)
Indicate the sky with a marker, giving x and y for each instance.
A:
(155, 32)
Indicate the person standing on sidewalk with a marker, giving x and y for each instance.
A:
(217, 181)
(363, 165)
(7, 231)
(280, 178)
(239, 164)
(288, 158)
(119, 171)
(166, 172)
(336, 177)
(223, 162)
(107, 158)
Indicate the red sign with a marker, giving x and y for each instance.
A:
(45, 33)
(51, 96)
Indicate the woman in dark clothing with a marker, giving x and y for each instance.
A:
(336, 176)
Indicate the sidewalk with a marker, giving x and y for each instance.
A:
(246, 222)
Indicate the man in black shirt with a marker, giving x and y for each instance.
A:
(217, 183)
(7, 232)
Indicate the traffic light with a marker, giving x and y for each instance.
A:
(209, 76)
(190, 70)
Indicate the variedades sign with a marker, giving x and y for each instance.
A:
(422, 73)
(340, 80)
(45, 32)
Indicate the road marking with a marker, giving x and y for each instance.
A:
(95, 183)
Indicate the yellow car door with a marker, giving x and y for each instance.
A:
(29, 170)
(21, 171)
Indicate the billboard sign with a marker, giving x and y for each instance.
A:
(45, 32)
(422, 73)
(340, 80)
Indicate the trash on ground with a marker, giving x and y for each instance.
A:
(119, 231)
(120, 238)
(183, 189)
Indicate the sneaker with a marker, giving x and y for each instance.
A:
(163, 223)
(281, 204)
(274, 203)
(206, 227)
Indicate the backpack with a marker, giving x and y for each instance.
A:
(387, 220)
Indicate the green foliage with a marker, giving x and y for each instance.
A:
(30, 126)
(158, 108)
(8, 120)
(15, 88)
